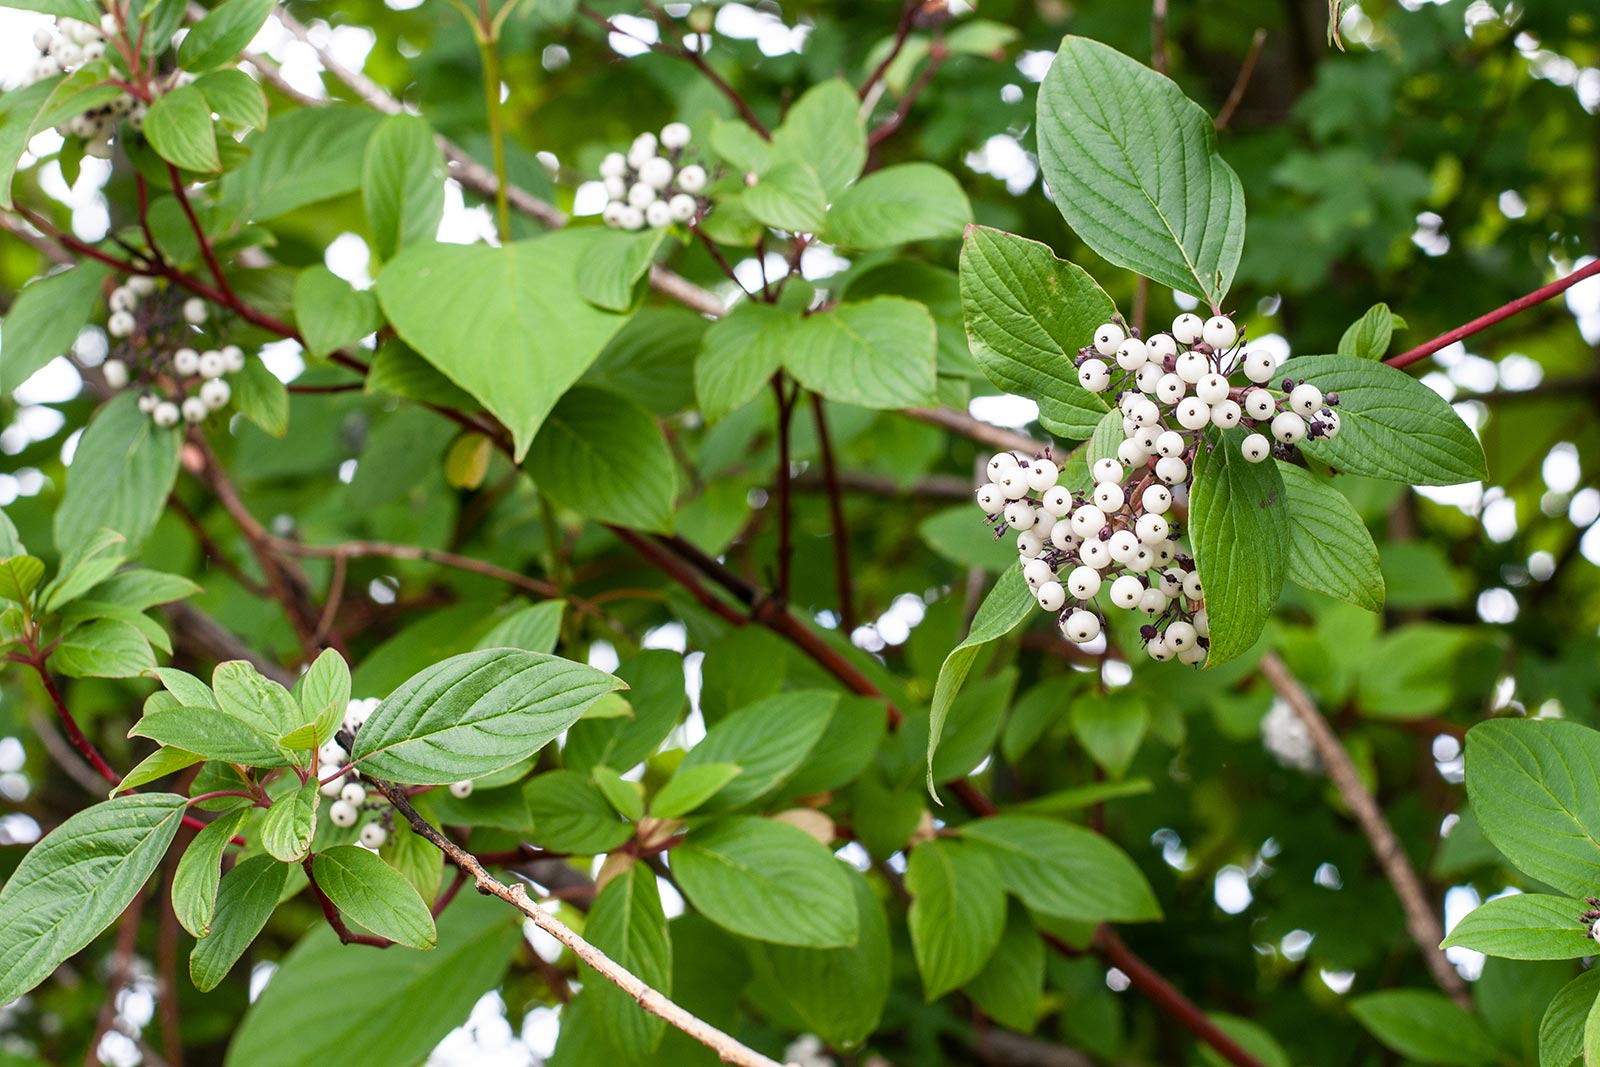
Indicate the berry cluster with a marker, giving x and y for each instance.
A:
(70, 46)
(1591, 918)
(1183, 378)
(652, 185)
(342, 782)
(1115, 538)
(155, 334)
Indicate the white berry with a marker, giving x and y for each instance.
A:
(1051, 596)
(1156, 499)
(1288, 427)
(195, 311)
(355, 793)
(1132, 354)
(1152, 529)
(656, 172)
(1192, 655)
(122, 299)
(683, 207)
(1161, 346)
(1122, 546)
(1259, 366)
(1225, 414)
(1159, 650)
(990, 499)
(1305, 398)
(1192, 366)
(115, 373)
(373, 835)
(1219, 332)
(675, 135)
(212, 365)
(461, 790)
(120, 324)
(1191, 585)
(1081, 627)
(1107, 470)
(1147, 376)
(1036, 572)
(1171, 469)
(1108, 338)
(658, 214)
(1213, 389)
(1145, 413)
(1152, 602)
(614, 165)
(1188, 328)
(1127, 591)
(1256, 447)
(1180, 635)
(1083, 582)
(631, 218)
(1062, 536)
(216, 393)
(142, 285)
(1130, 452)
(1260, 404)
(333, 786)
(1013, 483)
(1019, 515)
(692, 179)
(186, 361)
(1094, 375)
(1087, 521)
(1042, 474)
(1170, 443)
(1094, 553)
(166, 413)
(999, 463)
(1057, 500)
(1171, 389)
(1193, 413)
(1030, 543)
(194, 409)
(343, 813)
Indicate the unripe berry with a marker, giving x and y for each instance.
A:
(1219, 332)
(1188, 328)
(1094, 553)
(675, 135)
(1036, 572)
(216, 393)
(692, 179)
(1152, 529)
(373, 835)
(1147, 376)
(1087, 521)
(1160, 346)
(1171, 389)
(1225, 414)
(999, 463)
(1213, 389)
(1153, 602)
(1042, 474)
(115, 373)
(1288, 427)
(1180, 635)
(166, 413)
(1083, 582)
(461, 790)
(1108, 496)
(1191, 586)
(1030, 543)
(1259, 366)
(343, 813)
(1256, 447)
(990, 499)
(355, 793)
(1020, 515)
(1260, 404)
(1192, 366)
(1171, 470)
(121, 324)
(1123, 545)
(1057, 500)
(1156, 499)
(1081, 627)
(1193, 413)
(1127, 591)
(1108, 338)
(1107, 469)
(1306, 398)
(195, 311)
(1061, 535)
(1052, 597)
(1094, 375)
(1132, 354)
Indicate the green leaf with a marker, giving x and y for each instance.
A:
(235, 96)
(330, 1002)
(45, 318)
(657, 694)
(1525, 926)
(19, 577)
(1368, 337)
(178, 126)
(626, 797)
(77, 880)
(1002, 611)
(305, 156)
(1330, 549)
(120, 476)
(261, 397)
(789, 197)
(530, 336)
(604, 456)
(330, 312)
(570, 813)
(1027, 315)
(1239, 530)
(836, 993)
(1390, 425)
(962, 536)
(690, 787)
(245, 901)
(610, 270)
(159, 764)
(142, 589)
(402, 184)
(1425, 1027)
(254, 699)
(472, 714)
(27, 110)
(1065, 871)
(289, 824)
(769, 881)
(897, 205)
(194, 883)
(768, 740)
(534, 628)
(82, 10)
(83, 566)
(823, 130)
(1111, 727)
(879, 353)
(1535, 789)
(374, 895)
(212, 735)
(1561, 1030)
(324, 695)
(1011, 985)
(222, 34)
(1133, 167)
(958, 909)
(739, 355)
(103, 648)
(627, 924)
(189, 690)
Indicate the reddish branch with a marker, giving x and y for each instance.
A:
(841, 534)
(1499, 314)
(908, 17)
(330, 912)
(1242, 82)
(786, 401)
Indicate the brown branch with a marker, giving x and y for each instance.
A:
(1242, 82)
(214, 551)
(1158, 36)
(167, 938)
(330, 910)
(725, 1046)
(937, 54)
(121, 966)
(1499, 314)
(908, 17)
(1421, 922)
(841, 534)
(198, 632)
(786, 401)
(200, 235)
(362, 549)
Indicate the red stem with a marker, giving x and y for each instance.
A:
(1483, 322)
(785, 519)
(330, 912)
(841, 535)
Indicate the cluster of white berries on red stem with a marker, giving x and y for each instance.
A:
(70, 46)
(653, 184)
(158, 349)
(342, 782)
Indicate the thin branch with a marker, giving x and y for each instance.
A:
(985, 433)
(167, 937)
(1421, 921)
(908, 17)
(330, 606)
(121, 966)
(937, 53)
(1500, 314)
(724, 1045)
(786, 401)
(1242, 82)
(1158, 36)
(330, 910)
(204, 239)
(385, 550)
(841, 534)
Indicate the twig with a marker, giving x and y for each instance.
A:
(121, 965)
(193, 629)
(167, 968)
(1421, 922)
(908, 16)
(786, 401)
(212, 550)
(1500, 314)
(937, 54)
(841, 534)
(652, 1001)
(386, 550)
(330, 910)
(1236, 94)
(985, 433)
(1158, 36)
(200, 235)
(330, 606)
